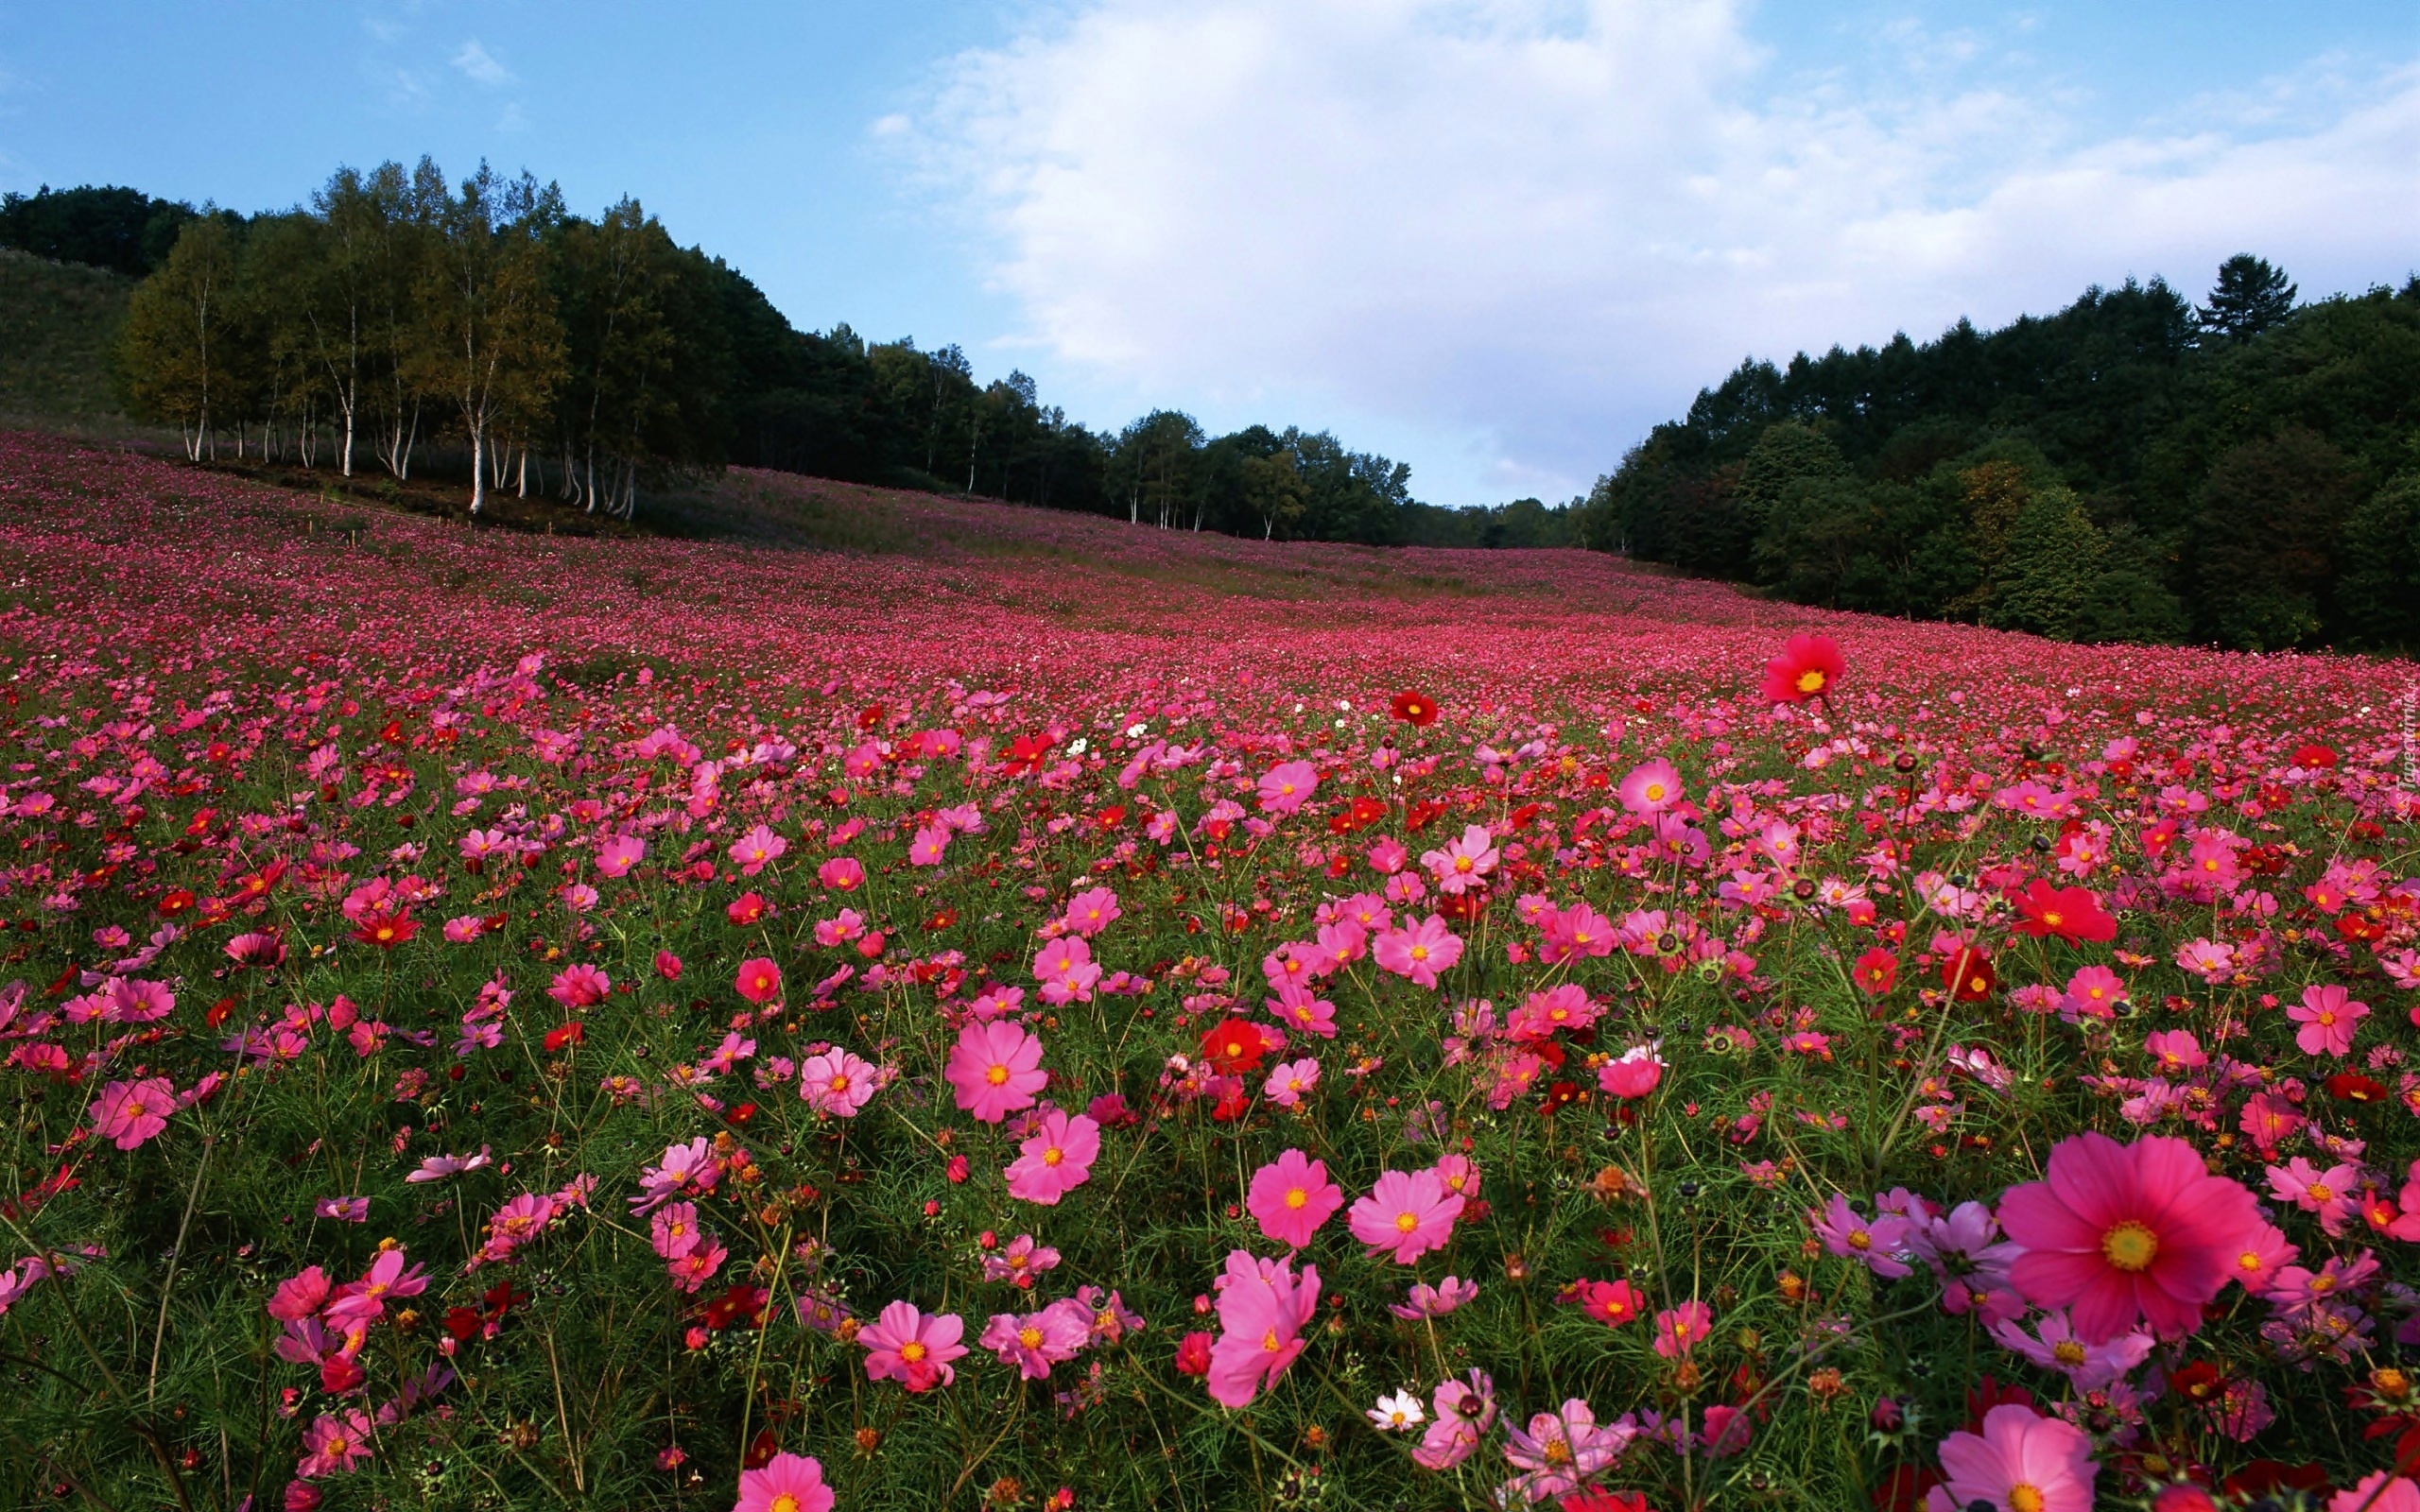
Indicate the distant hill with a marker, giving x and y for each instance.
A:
(57, 323)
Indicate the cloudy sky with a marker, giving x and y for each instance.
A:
(1495, 238)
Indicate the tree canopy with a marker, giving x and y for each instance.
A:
(2129, 468)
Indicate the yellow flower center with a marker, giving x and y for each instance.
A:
(911, 1351)
(1029, 1336)
(1556, 1452)
(1406, 1222)
(2327, 1019)
(839, 1084)
(2321, 1191)
(1859, 1239)
(1810, 680)
(1461, 863)
(1270, 1342)
(1420, 952)
(1296, 1197)
(1655, 792)
(1053, 1156)
(2023, 1497)
(2130, 1246)
(997, 1076)
(783, 1503)
(2067, 1352)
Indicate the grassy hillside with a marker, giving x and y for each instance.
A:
(56, 321)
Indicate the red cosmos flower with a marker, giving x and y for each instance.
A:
(2351, 1086)
(759, 980)
(1414, 708)
(1877, 971)
(174, 902)
(385, 931)
(2314, 758)
(1235, 1047)
(2122, 1233)
(1807, 668)
(1025, 755)
(2073, 913)
(562, 1034)
(1193, 1354)
(1968, 975)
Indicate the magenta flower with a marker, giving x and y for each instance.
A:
(1463, 864)
(904, 1345)
(789, 1482)
(674, 1232)
(1563, 1448)
(616, 856)
(1036, 1341)
(2053, 1345)
(334, 1445)
(365, 1300)
(1679, 1329)
(1425, 1301)
(1652, 788)
(1290, 1081)
(1286, 786)
(692, 1270)
(1633, 1073)
(996, 1068)
(2332, 1196)
(1410, 1214)
(2123, 1233)
(757, 850)
(1464, 1412)
(2020, 1459)
(579, 987)
(759, 980)
(133, 1113)
(687, 1169)
(1419, 952)
(1263, 1310)
(1880, 1245)
(1056, 1159)
(835, 1083)
(2328, 1017)
(1291, 1197)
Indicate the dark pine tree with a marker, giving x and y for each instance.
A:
(2248, 299)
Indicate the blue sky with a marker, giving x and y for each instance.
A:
(1495, 238)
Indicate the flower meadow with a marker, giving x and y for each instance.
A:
(1044, 1014)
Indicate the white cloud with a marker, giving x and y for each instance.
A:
(481, 67)
(1528, 229)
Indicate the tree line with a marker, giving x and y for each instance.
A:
(2246, 473)
(401, 313)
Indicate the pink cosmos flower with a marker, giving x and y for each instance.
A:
(2088, 1367)
(365, 1300)
(2123, 1233)
(674, 1230)
(2175, 1050)
(1679, 1329)
(1409, 1213)
(686, 1168)
(841, 874)
(1419, 952)
(996, 1068)
(1291, 1197)
(2260, 1256)
(693, 1270)
(2333, 1195)
(1387, 855)
(1563, 1448)
(2093, 992)
(1880, 1245)
(2328, 1017)
(1262, 1312)
(1635, 1073)
(759, 980)
(757, 850)
(1303, 1011)
(1091, 911)
(1056, 1160)
(299, 1296)
(132, 1113)
(787, 1482)
(2020, 1460)
(904, 1345)
(2378, 1491)
(835, 1083)
(1286, 786)
(926, 849)
(1036, 1341)
(1289, 1082)
(1464, 1411)
(1066, 970)
(334, 1445)
(1463, 864)
(1652, 788)
(616, 856)
(579, 987)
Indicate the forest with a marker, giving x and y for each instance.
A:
(402, 320)
(2132, 468)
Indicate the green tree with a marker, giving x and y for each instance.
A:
(1276, 490)
(492, 346)
(2048, 568)
(2264, 532)
(2249, 298)
(2380, 592)
(173, 348)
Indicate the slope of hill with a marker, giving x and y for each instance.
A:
(57, 322)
